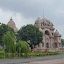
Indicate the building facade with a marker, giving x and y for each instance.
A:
(51, 38)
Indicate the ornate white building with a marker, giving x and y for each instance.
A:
(51, 38)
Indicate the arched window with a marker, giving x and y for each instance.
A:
(47, 32)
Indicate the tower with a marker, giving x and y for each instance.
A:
(12, 25)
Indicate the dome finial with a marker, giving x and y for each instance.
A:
(43, 13)
(38, 18)
(11, 18)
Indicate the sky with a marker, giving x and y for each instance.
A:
(26, 12)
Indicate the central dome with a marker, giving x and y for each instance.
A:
(44, 23)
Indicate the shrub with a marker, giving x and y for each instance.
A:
(22, 47)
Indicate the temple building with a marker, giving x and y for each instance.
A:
(12, 25)
(51, 38)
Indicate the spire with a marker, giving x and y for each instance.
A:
(11, 18)
(43, 13)
(38, 18)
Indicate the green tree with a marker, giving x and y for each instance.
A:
(0, 23)
(30, 32)
(62, 40)
(22, 47)
(3, 29)
(9, 40)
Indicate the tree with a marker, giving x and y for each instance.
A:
(22, 47)
(9, 40)
(30, 32)
(0, 23)
(62, 40)
(3, 29)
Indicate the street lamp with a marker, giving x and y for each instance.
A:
(5, 50)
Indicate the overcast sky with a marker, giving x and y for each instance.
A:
(27, 11)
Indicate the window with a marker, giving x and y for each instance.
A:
(59, 44)
(47, 45)
(47, 32)
(55, 45)
(47, 24)
(43, 44)
(52, 33)
(41, 24)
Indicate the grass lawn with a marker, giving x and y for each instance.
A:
(42, 54)
(28, 55)
(2, 54)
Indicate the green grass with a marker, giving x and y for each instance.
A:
(2, 54)
(42, 53)
(2, 51)
(28, 55)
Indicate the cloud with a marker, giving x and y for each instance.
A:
(26, 11)
(59, 11)
(18, 18)
(29, 8)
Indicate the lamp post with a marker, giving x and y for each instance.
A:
(5, 50)
(20, 51)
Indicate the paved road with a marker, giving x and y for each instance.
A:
(19, 61)
(56, 61)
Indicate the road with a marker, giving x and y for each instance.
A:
(28, 60)
(56, 61)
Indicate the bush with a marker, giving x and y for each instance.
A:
(22, 47)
